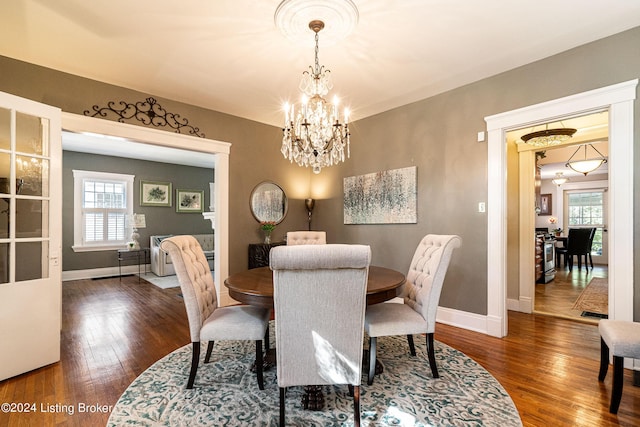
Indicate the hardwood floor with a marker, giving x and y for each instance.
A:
(113, 331)
(558, 296)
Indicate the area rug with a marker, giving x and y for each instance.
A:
(405, 394)
(594, 299)
(163, 282)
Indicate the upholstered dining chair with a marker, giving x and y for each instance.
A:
(306, 238)
(421, 294)
(319, 295)
(208, 321)
(579, 242)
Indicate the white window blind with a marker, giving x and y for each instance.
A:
(105, 201)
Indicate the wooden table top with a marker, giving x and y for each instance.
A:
(255, 286)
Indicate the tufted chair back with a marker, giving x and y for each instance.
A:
(426, 275)
(306, 238)
(195, 279)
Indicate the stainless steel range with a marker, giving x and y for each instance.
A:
(548, 259)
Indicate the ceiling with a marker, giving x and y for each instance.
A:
(228, 56)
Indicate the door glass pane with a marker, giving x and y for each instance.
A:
(5, 204)
(30, 221)
(4, 263)
(32, 175)
(5, 172)
(32, 260)
(29, 133)
(5, 129)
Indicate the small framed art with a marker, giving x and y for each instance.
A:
(189, 200)
(154, 193)
(545, 204)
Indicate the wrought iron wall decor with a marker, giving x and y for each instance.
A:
(148, 112)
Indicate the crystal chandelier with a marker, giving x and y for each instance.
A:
(313, 135)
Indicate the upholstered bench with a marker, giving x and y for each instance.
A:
(622, 339)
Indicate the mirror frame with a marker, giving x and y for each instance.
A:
(255, 192)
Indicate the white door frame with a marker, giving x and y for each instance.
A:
(83, 124)
(619, 100)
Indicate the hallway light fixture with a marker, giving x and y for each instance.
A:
(587, 165)
(548, 137)
(313, 134)
(559, 179)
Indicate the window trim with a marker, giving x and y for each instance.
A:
(78, 177)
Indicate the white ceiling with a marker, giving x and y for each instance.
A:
(227, 55)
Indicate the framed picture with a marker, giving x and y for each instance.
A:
(189, 200)
(545, 204)
(155, 193)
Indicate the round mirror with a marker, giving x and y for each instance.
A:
(268, 202)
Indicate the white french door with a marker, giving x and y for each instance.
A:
(30, 235)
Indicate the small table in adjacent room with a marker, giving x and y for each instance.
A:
(129, 256)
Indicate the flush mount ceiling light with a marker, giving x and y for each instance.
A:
(548, 137)
(587, 165)
(559, 179)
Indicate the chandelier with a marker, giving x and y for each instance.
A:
(548, 137)
(313, 134)
(587, 165)
(559, 179)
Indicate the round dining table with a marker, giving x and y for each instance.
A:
(255, 286)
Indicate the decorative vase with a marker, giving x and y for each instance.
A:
(267, 237)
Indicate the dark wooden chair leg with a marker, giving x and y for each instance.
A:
(207, 358)
(618, 379)
(195, 359)
(431, 352)
(372, 359)
(266, 340)
(259, 364)
(604, 360)
(570, 262)
(282, 392)
(590, 260)
(356, 406)
(412, 347)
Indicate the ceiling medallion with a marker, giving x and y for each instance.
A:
(292, 18)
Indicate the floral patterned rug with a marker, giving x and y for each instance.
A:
(405, 394)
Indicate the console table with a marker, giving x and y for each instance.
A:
(139, 256)
(259, 254)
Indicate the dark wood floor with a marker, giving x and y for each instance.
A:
(113, 331)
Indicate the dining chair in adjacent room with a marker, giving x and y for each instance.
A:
(421, 294)
(306, 238)
(579, 242)
(208, 321)
(319, 294)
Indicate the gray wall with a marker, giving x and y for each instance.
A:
(159, 220)
(438, 135)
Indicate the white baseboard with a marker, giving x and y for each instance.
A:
(462, 319)
(523, 305)
(96, 273)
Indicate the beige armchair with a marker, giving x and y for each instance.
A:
(319, 299)
(306, 238)
(421, 294)
(207, 321)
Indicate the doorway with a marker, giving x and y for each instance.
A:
(619, 101)
(575, 201)
(125, 136)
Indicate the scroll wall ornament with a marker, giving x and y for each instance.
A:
(148, 112)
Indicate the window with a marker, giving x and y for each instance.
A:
(102, 202)
(586, 209)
